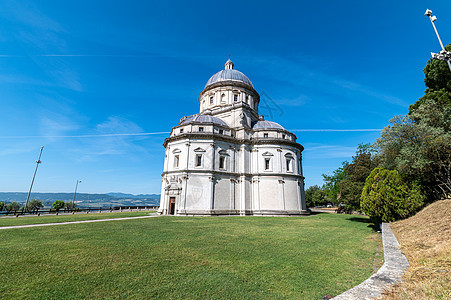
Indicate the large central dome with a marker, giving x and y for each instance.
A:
(229, 74)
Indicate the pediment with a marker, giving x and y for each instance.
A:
(199, 149)
(267, 153)
(176, 150)
(223, 152)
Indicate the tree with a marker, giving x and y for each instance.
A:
(356, 173)
(70, 205)
(418, 145)
(13, 206)
(387, 197)
(2, 206)
(331, 186)
(309, 195)
(57, 205)
(438, 83)
(34, 205)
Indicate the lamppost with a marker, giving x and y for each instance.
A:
(442, 55)
(32, 181)
(75, 193)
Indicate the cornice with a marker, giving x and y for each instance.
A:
(233, 174)
(236, 141)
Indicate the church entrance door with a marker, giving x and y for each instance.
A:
(171, 205)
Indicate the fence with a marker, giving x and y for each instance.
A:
(79, 210)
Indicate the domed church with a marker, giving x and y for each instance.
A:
(229, 160)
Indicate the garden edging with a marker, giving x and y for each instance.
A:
(395, 264)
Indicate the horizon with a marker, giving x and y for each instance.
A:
(101, 92)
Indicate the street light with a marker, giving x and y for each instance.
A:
(442, 55)
(32, 181)
(75, 193)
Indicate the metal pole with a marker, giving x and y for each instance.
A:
(439, 40)
(436, 32)
(75, 193)
(32, 181)
(433, 19)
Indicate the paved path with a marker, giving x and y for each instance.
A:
(75, 222)
(395, 264)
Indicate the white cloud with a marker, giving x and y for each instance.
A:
(328, 151)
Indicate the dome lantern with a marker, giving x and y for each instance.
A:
(229, 64)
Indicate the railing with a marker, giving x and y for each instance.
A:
(79, 210)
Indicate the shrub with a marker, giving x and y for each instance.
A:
(386, 197)
(57, 205)
(12, 206)
(34, 205)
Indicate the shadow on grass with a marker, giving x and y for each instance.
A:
(314, 213)
(371, 225)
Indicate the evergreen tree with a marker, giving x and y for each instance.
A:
(387, 197)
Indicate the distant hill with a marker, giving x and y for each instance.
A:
(140, 196)
(85, 199)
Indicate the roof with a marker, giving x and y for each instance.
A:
(203, 119)
(229, 73)
(263, 124)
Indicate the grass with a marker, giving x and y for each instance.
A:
(425, 240)
(190, 258)
(34, 219)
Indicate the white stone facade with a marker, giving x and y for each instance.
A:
(227, 160)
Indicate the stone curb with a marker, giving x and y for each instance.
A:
(75, 222)
(395, 264)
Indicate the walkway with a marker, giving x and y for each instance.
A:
(395, 264)
(76, 222)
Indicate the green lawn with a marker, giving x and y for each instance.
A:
(34, 219)
(189, 258)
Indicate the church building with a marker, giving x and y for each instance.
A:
(229, 160)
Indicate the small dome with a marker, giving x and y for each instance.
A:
(263, 124)
(229, 73)
(203, 119)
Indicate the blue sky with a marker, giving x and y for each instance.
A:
(75, 74)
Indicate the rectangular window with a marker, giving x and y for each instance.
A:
(221, 131)
(235, 98)
(288, 165)
(201, 129)
(283, 136)
(265, 135)
(267, 163)
(198, 160)
(176, 161)
(181, 130)
(221, 162)
(211, 100)
(247, 99)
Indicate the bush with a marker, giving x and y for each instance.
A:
(386, 197)
(70, 205)
(57, 205)
(34, 205)
(13, 206)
